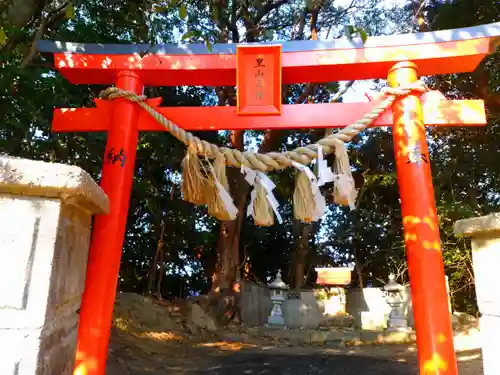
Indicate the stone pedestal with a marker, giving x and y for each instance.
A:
(45, 220)
(278, 289)
(396, 300)
(276, 315)
(485, 237)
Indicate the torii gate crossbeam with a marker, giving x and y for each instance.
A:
(131, 67)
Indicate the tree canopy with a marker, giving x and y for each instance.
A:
(193, 252)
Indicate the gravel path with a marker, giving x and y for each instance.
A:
(305, 364)
(180, 359)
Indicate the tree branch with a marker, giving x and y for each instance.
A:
(302, 24)
(32, 52)
(235, 35)
(269, 7)
(314, 22)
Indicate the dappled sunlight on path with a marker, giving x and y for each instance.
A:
(167, 353)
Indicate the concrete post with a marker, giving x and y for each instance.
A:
(45, 220)
(485, 237)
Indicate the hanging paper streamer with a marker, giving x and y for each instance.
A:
(344, 191)
(325, 174)
(249, 174)
(262, 200)
(269, 186)
(309, 203)
(345, 194)
(220, 203)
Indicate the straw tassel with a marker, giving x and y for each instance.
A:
(263, 214)
(304, 203)
(309, 203)
(344, 190)
(194, 181)
(220, 203)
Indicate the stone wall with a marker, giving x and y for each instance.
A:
(45, 218)
(255, 303)
(370, 310)
(302, 309)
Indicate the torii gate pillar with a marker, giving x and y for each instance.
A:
(108, 232)
(421, 230)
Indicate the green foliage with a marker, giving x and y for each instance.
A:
(70, 11)
(183, 11)
(463, 160)
(3, 37)
(352, 30)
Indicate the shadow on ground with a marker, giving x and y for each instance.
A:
(160, 354)
(255, 362)
(302, 364)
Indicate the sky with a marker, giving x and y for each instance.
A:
(357, 91)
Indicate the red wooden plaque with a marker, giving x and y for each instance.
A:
(258, 79)
(333, 276)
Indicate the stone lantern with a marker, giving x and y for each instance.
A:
(278, 288)
(396, 300)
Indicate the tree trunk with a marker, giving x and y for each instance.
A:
(161, 272)
(153, 270)
(301, 252)
(359, 274)
(224, 295)
(159, 255)
(359, 267)
(225, 267)
(228, 246)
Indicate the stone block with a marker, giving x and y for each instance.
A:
(340, 335)
(340, 320)
(373, 320)
(45, 219)
(368, 307)
(485, 239)
(301, 310)
(317, 337)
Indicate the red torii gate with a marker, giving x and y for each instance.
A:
(131, 67)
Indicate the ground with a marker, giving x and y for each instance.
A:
(230, 358)
(146, 340)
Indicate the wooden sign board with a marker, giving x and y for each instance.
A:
(333, 276)
(258, 79)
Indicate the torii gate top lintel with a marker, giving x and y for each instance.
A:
(438, 52)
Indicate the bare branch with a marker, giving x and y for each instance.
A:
(302, 25)
(32, 52)
(235, 35)
(269, 7)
